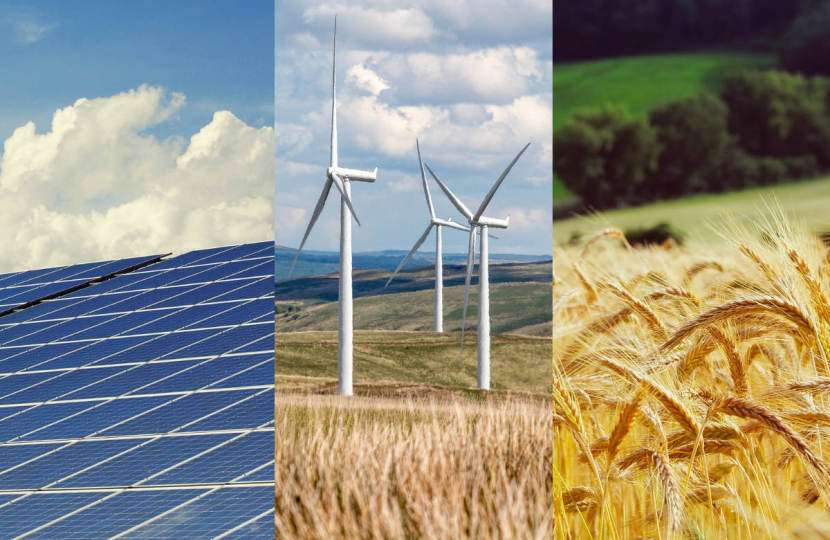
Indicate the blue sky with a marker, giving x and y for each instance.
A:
(471, 79)
(218, 53)
(134, 127)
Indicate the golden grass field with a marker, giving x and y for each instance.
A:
(690, 388)
(417, 452)
(411, 461)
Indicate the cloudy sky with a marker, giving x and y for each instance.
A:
(471, 79)
(132, 128)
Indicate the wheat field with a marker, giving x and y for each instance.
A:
(690, 387)
(437, 467)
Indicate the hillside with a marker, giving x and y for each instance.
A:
(520, 300)
(519, 363)
(318, 263)
(696, 216)
(640, 82)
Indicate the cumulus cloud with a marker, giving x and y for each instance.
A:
(366, 79)
(535, 219)
(375, 27)
(98, 186)
(469, 135)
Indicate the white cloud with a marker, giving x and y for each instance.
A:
(375, 27)
(304, 40)
(490, 75)
(97, 186)
(536, 219)
(366, 79)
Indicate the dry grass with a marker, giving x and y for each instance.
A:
(691, 387)
(442, 466)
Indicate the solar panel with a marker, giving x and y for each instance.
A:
(136, 398)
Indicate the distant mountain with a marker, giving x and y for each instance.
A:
(313, 263)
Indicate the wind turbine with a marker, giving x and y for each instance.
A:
(342, 179)
(439, 265)
(478, 220)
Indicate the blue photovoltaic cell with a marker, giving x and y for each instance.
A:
(180, 318)
(148, 457)
(59, 384)
(205, 372)
(105, 388)
(263, 369)
(179, 413)
(244, 415)
(95, 352)
(255, 289)
(259, 528)
(163, 346)
(36, 510)
(130, 379)
(69, 458)
(223, 464)
(33, 418)
(38, 357)
(98, 415)
(199, 293)
(225, 340)
(206, 517)
(118, 513)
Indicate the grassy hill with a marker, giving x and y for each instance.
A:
(519, 363)
(696, 216)
(318, 263)
(520, 300)
(640, 82)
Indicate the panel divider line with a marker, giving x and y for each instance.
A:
(121, 489)
(80, 286)
(142, 436)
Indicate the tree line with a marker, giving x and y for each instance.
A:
(762, 128)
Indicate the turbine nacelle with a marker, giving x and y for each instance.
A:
(352, 174)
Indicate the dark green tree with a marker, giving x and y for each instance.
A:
(605, 157)
(805, 47)
(778, 114)
(694, 139)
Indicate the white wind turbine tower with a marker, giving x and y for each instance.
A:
(341, 178)
(484, 223)
(439, 266)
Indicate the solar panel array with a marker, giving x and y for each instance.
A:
(139, 405)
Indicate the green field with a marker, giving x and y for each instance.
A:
(517, 362)
(640, 82)
(701, 217)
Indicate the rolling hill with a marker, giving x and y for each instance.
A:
(640, 82)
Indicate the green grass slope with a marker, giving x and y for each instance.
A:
(641, 82)
(701, 217)
(517, 362)
(514, 307)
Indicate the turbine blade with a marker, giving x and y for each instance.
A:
(470, 260)
(342, 189)
(453, 199)
(494, 237)
(424, 180)
(317, 210)
(333, 161)
(489, 196)
(455, 225)
(411, 252)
